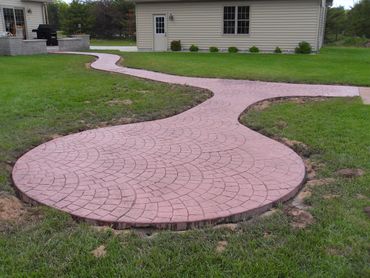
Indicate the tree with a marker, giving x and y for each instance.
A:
(77, 18)
(359, 19)
(56, 11)
(103, 18)
(113, 18)
(335, 22)
(126, 20)
(107, 19)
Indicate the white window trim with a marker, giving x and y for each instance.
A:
(236, 21)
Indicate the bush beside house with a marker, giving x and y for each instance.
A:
(254, 49)
(303, 48)
(278, 50)
(233, 49)
(176, 45)
(193, 48)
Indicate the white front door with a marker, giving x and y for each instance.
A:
(160, 37)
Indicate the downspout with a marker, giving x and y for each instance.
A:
(46, 13)
(324, 25)
(318, 27)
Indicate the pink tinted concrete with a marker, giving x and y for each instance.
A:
(365, 95)
(199, 167)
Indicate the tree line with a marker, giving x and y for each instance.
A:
(350, 24)
(100, 19)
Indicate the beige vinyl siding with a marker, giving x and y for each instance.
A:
(32, 19)
(273, 23)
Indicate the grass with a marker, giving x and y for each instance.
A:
(69, 97)
(337, 134)
(113, 42)
(346, 41)
(331, 66)
(55, 94)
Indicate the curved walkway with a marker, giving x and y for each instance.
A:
(199, 167)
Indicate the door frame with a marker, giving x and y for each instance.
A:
(164, 15)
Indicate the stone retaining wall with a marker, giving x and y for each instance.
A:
(75, 43)
(85, 41)
(31, 47)
(13, 46)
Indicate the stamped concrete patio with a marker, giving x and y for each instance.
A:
(196, 168)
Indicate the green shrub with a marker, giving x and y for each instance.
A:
(278, 50)
(233, 49)
(194, 48)
(303, 48)
(176, 45)
(254, 49)
(213, 49)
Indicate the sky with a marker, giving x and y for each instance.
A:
(345, 3)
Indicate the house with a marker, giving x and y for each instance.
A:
(242, 24)
(20, 17)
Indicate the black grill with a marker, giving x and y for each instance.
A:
(47, 32)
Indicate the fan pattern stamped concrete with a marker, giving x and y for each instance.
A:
(196, 168)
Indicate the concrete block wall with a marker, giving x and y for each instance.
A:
(31, 47)
(17, 46)
(75, 43)
(12, 46)
(85, 43)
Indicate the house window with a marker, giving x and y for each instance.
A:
(19, 17)
(159, 25)
(236, 20)
(15, 22)
(229, 20)
(9, 20)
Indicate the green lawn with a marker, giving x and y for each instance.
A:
(331, 66)
(115, 42)
(44, 95)
(48, 94)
